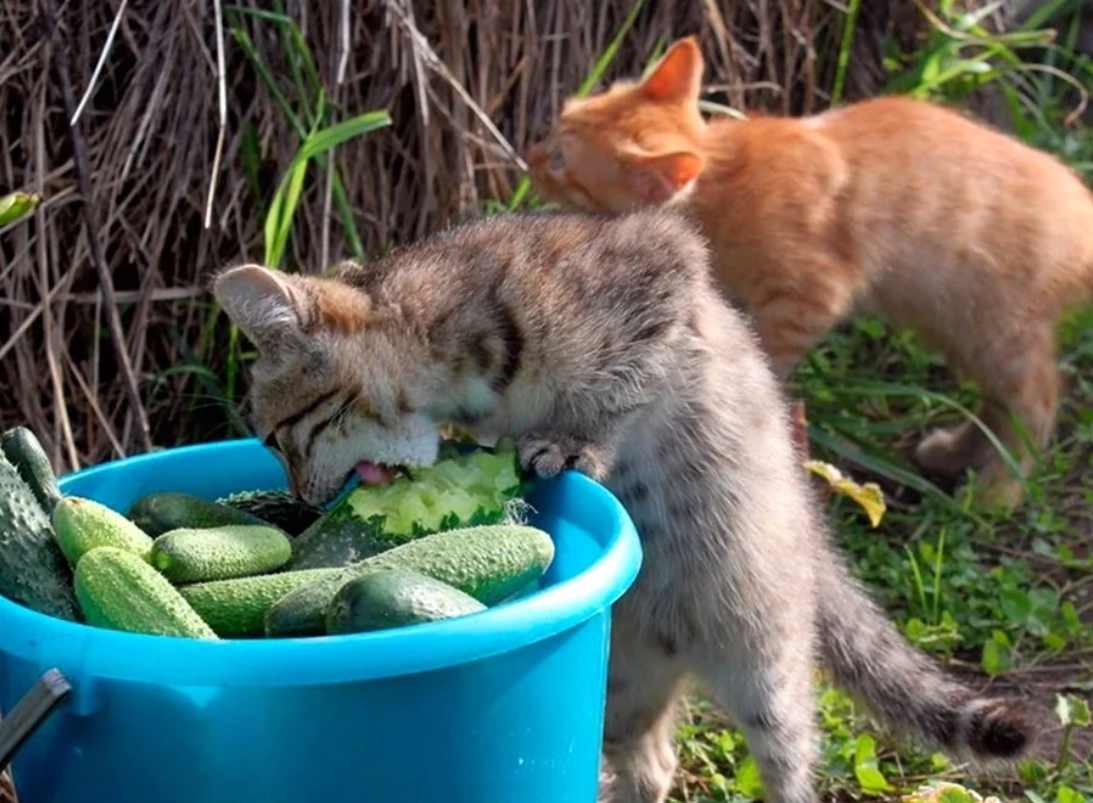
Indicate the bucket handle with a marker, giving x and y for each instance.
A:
(30, 712)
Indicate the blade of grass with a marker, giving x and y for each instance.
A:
(278, 224)
(843, 61)
(321, 141)
(283, 211)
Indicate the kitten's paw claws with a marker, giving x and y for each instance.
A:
(548, 457)
(540, 457)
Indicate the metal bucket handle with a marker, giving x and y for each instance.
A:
(30, 712)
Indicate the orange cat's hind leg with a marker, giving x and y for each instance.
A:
(1019, 380)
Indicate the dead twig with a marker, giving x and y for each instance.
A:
(83, 174)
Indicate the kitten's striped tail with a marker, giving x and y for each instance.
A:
(906, 689)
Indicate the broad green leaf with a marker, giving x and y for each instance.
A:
(747, 778)
(16, 205)
(870, 778)
(1071, 710)
(997, 654)
(1067, 795)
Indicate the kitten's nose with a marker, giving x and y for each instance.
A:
(295, 486)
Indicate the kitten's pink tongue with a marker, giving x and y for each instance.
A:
(372, 474)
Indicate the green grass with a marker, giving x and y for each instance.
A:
(1007, 598)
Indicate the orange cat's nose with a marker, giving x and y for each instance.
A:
(537, 153)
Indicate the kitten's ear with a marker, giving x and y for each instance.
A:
(656, 178)
(678, 74)
(261, 302)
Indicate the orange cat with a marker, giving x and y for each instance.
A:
(891, 206)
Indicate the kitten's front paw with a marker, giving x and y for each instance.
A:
(547, 457)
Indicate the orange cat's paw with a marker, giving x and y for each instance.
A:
(994, 488)
(1002, 495)
(945, 452)
(547, 457)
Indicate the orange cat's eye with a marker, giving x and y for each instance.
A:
(557, 161)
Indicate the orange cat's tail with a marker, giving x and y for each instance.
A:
(903, 687)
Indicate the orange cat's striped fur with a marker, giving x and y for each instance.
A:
(891, 206)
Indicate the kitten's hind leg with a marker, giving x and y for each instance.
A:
(643, 689)
(769, 696)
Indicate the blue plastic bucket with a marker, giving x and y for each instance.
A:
(503, 706)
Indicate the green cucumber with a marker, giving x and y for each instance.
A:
(159, 513)
(389, 598)
(279, 508)
(119, 591)
(190, 555)
(460, 490)
(25, 452)
(80, 525)
(236, 608)
(33, 572)
(490, 563)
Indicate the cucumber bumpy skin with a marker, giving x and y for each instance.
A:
(24, 451)
(390, 598)
(489, 563)
(162, 512)
(236, 608)
(81, 524)
(119, 591)
(188, 555)
(33, 572)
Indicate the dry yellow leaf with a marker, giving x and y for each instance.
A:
(869, 495)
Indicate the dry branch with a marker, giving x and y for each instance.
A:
(83, 177)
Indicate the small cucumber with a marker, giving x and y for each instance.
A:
(25, 452)
(279, 508)
(80, 525)
(235, 608)
(159, 513)
(389, 598)
(119, 591)
(490, 563)
(191, 555)
(33, 572)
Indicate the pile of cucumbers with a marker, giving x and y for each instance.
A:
(448, 542)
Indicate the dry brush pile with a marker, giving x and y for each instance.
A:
(126, 189)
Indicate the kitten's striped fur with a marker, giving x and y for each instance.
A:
(600, 343)
(891, 206)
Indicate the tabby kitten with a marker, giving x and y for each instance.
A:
(892, 207)
(599, 343)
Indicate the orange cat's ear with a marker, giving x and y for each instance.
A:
(678, 74)
(656, 178)
(261, 302)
